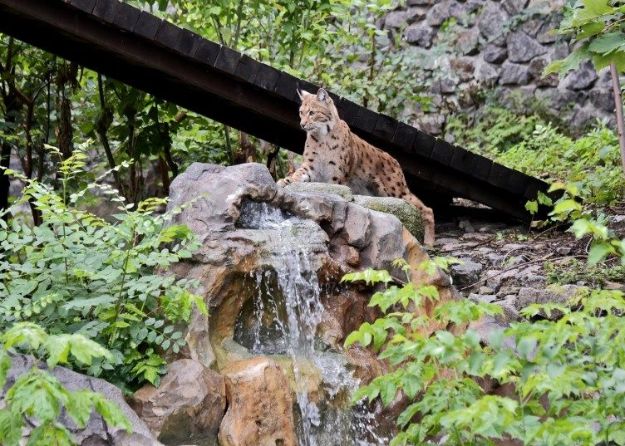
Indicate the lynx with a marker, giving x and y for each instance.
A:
(334, 154)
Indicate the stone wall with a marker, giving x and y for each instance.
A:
(473, 47)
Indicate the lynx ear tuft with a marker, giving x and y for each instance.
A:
(322, 95)
(302, 94)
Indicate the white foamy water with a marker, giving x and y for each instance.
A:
(285, 316)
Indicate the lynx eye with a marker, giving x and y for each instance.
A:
(310, 113)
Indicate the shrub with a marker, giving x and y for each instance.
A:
(40, 396)
(77, 273)
(566, 370)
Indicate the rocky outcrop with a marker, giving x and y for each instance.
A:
(97, 432)
(260, 408)
(261, 246)
(509, 43)
(187, 406)
(338, 235)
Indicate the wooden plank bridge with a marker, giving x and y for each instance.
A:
(180, 66)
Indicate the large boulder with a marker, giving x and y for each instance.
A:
(259, 405)
(187, 406)
(96, 432)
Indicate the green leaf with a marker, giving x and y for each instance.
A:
(58, 349)
(5, 365)
(50, 434)
(607, 43)
(79, 406)
(595, 8)
(81, 348)
(369, 276)
(555, 186)
(590, 29)
(80, 304)
(583, 226)
(564, 207)
(544, 199)
(24, 334)
(37, 394)
(111, 413)
(388, 390)
(526, 347)
(571, 62)
(531, 207)
(173, 233)
(10, 427)
(598, 252)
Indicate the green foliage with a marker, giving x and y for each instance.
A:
(573, 271)
(597, 28)
(79, 274)
(314, 39)
(37, 398)
(529, 144)
(585, 222)
(565, 373)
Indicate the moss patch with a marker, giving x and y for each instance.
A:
(405, 212)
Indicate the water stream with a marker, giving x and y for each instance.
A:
(283, 321)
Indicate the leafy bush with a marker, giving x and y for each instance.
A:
(565, 370)
(41, 397)
(534, 146)
(572, 208)
(77, 273)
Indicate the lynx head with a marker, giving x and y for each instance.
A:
(318, 115)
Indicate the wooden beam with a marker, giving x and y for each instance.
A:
(180, 66)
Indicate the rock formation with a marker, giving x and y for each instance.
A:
(187, 405)
(269, 270)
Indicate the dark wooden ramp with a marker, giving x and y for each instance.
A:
(180, 66)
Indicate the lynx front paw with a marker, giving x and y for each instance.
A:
(283, 182)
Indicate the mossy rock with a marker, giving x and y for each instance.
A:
(406, 213)
(324, 188)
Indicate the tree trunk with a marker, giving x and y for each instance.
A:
(5, 182)
(618, 102)
(11, 107)
(104, 121)
(66, 78)
(246, 152)
(163, 169)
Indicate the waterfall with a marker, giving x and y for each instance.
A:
(283, 321)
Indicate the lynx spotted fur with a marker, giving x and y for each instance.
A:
(333, 154)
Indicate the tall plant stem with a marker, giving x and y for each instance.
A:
(103, 123)
(618, 102)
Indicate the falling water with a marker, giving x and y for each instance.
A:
(291, 330)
